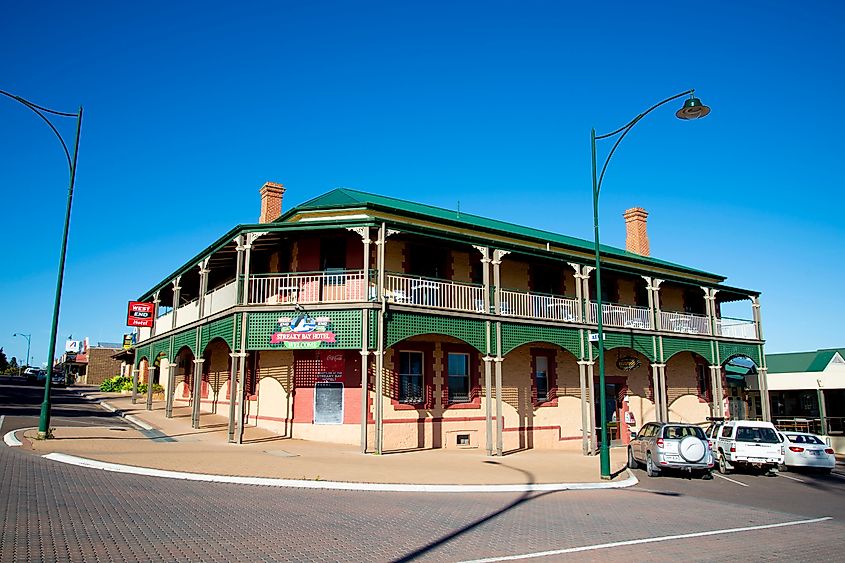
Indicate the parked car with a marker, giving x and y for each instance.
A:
(33, 374)
(807, 450)
(671, 445)
(748, 443)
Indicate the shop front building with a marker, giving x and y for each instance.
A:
(361, 319)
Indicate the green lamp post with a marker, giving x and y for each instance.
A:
(44, 420)
(28, 342)
(692, 109)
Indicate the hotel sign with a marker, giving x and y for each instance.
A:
(302, 331)
(140, 314)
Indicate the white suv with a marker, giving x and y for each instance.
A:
(747, 443)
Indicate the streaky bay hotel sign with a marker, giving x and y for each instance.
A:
(303, 331)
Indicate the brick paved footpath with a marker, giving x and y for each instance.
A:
(56, 512)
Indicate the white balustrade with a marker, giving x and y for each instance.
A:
(686, 323)
(187, 313)
(415, 290)
(736, 328)
(623, 316)
(316, 287)
(221, 298)
(533, 306)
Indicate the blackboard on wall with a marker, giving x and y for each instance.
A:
(328, 403)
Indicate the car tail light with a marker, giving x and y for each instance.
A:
(795, 449)
(828, 450)
(660, 442)
(733, 448)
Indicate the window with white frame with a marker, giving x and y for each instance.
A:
(541, 377)
(458, 366)
(411, 377)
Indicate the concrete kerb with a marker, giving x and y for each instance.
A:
(11, 440)
(111, 408)
(630, 481)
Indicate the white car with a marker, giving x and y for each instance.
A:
(807, 450)
(748, 443)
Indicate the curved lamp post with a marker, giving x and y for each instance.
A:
(692, 109)
(44, 420)
(28, 342)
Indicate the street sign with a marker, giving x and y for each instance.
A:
(140, 314)
(594, 336)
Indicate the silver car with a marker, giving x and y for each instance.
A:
(671, 445)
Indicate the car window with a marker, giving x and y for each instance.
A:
(726, 431)
(804, 439)
(647, 431)
(679, 432)
(756, 434)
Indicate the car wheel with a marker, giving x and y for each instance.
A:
(723, 464)
(784, 467)
(632, 463)
(707, 476)
(650, 468)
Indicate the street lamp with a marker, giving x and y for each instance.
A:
(26, 358)
(692, 109)
(44, 420)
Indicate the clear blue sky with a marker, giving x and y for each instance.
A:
(190, 108)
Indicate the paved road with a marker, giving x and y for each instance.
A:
(55, 512)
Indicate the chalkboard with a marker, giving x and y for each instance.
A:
(328, 403)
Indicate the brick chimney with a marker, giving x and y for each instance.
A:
(271, 202)
(636, 235)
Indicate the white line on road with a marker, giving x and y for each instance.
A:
(11, 440)
(2, 419)
(646, 540)
(729, 479)
(788, 477)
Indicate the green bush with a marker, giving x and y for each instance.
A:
(116, 383)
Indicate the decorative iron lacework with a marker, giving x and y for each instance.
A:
(726, 350)
(345, 325)
(187, 338)
(639, 342)
(515, 335)
(399, 326)
(221, 328)
(672, 346)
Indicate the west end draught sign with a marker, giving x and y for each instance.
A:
(140, 314)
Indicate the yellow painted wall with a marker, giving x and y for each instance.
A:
(461, 266)
(514, 274)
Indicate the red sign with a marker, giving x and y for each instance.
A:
(332, 365)
(140, 314)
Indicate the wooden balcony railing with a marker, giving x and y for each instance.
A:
(437, 294)
(736, 328)
(350, 286)
(537, 306)
(686, 323)
(623, 316)
(309, 287)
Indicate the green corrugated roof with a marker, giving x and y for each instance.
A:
(348, 198)
(800, 362)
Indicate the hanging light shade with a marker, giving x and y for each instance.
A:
(693, 109)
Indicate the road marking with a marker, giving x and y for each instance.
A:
(2, 419)
(11, 440)
(729, 479)
(788, 477)
(647, 540)
(337, 485)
